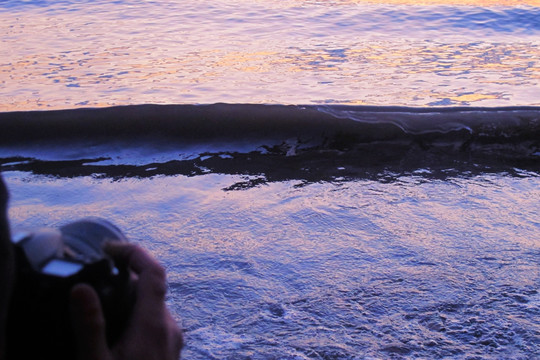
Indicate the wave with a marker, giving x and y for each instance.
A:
(255, 121)
(147, 140)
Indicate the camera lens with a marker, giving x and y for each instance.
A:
(85, 238)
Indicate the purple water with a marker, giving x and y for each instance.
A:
(281, 255)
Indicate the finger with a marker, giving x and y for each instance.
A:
(88, 323)
(151, 319)
(137, 258)
(152, 282)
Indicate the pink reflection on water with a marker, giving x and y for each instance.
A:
(106, 55)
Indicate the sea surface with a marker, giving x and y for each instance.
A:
(65, 54)
(337, 179)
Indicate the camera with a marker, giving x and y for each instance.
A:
(49, 262)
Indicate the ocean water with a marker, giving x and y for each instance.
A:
(65, 54)
(415, 266)
(335, 179)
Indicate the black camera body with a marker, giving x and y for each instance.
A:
(49, 262)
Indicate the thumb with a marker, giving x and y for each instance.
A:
(88, 323)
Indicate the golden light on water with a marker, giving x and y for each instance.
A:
(378, 70)
(56, 60)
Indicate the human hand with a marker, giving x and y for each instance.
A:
(151, 332)
(6, 266)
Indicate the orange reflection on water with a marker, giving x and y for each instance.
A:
(47, 62)
(408, 73)
(247, 61)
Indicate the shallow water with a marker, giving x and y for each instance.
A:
(415, 267)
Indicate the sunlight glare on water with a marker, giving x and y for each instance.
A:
(77, 54)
